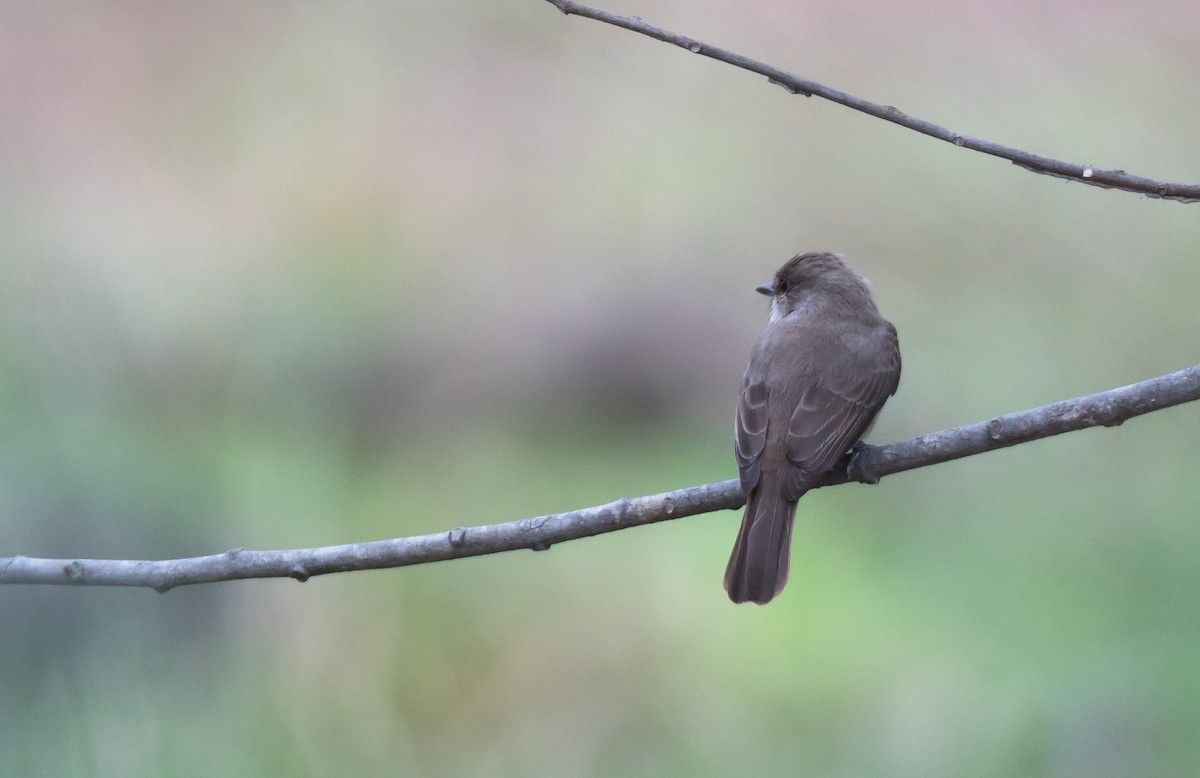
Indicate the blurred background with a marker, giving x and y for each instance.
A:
(281, 275)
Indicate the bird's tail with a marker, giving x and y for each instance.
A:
(758, 568)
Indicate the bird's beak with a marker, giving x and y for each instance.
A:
(768, 289)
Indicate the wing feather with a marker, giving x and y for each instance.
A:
(750, 432)
(831, 417)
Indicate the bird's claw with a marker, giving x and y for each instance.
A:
(858, 467)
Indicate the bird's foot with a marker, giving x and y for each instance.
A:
(858, 467)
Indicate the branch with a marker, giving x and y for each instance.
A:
(1105, 179)
(867, 464)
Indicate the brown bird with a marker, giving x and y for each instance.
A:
(818, 376)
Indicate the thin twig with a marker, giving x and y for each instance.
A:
(1108, 408)
(1087, 174)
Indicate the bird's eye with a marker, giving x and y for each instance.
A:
(782, 286)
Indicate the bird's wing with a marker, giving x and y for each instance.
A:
(750, 431)
(833, 416)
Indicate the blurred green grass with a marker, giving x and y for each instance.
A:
(289, 276)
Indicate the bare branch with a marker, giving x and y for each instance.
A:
(867, 465)
(1087, 174)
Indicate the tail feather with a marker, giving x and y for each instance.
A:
(758, 568)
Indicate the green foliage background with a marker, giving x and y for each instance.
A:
(280, 275)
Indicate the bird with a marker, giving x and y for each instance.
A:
(816, 380)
